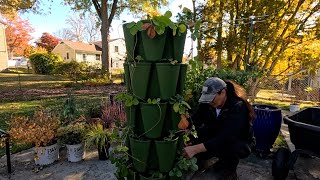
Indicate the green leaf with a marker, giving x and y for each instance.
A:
(133, 31)
(182, 110)
(168, 14)
(130, 25)
(182, 28)
(149, 101)
(154, 101)
(176, 107)
(171, 173)
(139, 25)
(186, 104)
(135, 101)
(179, 174)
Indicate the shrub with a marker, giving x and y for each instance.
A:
(72, 69)
(40, 130)
(196, 77)
(44, 63)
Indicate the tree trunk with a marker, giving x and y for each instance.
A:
(219, 38)
(105, 37)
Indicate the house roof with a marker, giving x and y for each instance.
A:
(99, 43)
(80, 46)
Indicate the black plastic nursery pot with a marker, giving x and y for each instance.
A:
(103, 153)
(168, 75)
(166, 152)
(139, 78)
(153, 119)
(140, 153)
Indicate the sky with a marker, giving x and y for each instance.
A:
(55, 15)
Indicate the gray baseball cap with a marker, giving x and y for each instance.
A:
(210, 88)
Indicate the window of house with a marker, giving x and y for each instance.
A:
(116, 48)
(67, 55)
(98, 57)
(84, 57)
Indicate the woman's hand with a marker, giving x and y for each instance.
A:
(190, 151)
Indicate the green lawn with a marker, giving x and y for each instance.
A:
(14, 81)
(27, 108)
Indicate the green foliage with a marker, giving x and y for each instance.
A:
(44, 63)
(70, 111)
(179, 105)
(72, 69)
(183, 166)
(157, 25)
(187, 17)
(72, 133)
(153, 101)
(99, 137)
(127, 99)
(120, 158)
(196, 76)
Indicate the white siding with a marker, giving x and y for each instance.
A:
(90, 58)
(117, 58)
(3, 49)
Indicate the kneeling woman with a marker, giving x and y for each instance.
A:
(223, 122)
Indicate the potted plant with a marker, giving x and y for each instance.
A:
(99, 137)
(40, 131)
(73, 136)
(153, 33)
(178, 107)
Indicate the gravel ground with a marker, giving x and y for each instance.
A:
(91, 168)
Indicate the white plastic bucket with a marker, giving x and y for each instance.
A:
(75, 152)
(46, 155)
(294, 107)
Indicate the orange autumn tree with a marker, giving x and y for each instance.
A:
(18, 36)
(47, 41)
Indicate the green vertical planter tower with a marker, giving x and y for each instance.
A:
(168, 75)
(153, 71)
(139, 78)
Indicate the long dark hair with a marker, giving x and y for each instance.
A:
(234, 89)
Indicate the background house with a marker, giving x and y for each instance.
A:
(79, 51)
(3, 47)
(91, 52)
(117, 52)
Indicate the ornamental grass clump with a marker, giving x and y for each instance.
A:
(40, 130)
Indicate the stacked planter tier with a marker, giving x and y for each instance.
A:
(153, 77)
